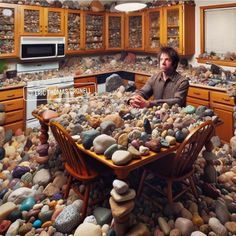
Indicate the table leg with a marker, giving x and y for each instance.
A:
(43, 147)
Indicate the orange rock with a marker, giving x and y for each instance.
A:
(96, 6)
(46, 224)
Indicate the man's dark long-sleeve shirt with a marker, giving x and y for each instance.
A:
(173, 90)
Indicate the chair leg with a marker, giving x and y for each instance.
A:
(68, 186)
(86, 201)
(140, 188)
(193, 188)
(169, 191)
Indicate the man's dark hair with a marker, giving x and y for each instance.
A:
(172, 53)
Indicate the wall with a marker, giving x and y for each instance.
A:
(200, 3)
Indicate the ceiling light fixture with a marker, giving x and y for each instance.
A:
(130, 6)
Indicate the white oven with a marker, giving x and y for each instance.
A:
(46, 91)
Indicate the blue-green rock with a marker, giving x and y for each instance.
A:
(8, 135)
(189, 109)
(27, 204)
(88, 137)
(37, 224)
(14, 215)
(109, 151)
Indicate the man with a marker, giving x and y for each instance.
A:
(168, 86)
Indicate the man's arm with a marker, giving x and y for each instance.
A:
(179, 96)
(147, 90)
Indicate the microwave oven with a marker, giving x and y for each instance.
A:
(32, 48)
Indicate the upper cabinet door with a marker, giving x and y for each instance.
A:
(54, 21)
(114, 31)
(42, 21)
(179, 28)
(134, 26)
(31, 20)
(153, 30)
(94, 31)
(173, 27)
(8, 33)
(73, 23)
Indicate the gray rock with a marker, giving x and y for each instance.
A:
(69, 218)
(107, 127)
(121, 157)
(184, 225)
(222, 212)
(217, 227)
(113, 82)
(120, 186)
(102, 215)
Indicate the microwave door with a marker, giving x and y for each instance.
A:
(38, 51)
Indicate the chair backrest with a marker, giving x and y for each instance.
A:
(189, 150)
(72, 155)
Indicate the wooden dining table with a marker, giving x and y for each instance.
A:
(122, 171)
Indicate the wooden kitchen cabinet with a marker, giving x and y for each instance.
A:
(8, 30)
(41, 21)
(134, 31)
(179, 28)
(197, 97)
(74, 31)
(85, 85)
(114, 31)
(220, 103)
(223, 105)
(140, 80)
(153, 29)
(94, 31)
(14, 107)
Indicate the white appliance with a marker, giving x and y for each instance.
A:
(32, 48)
(44, 91)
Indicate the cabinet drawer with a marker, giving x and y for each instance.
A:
(15, 126)
(198, 93)
(14, 116)
(141, 78)
(14, 104)
(11, 94)
(197, 102)
(85, 81)
(222, 98)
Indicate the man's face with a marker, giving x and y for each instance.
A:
(165, 63)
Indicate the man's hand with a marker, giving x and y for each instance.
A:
(138, 101)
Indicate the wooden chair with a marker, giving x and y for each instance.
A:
(77, 164)
(179, 166)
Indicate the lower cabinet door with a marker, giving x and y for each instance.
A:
(225, 131)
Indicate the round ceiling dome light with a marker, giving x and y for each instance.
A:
(130, 6)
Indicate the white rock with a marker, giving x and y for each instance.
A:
(42, 177)
(90, 229)
(217, 227)
(20, 194)
(102, 142)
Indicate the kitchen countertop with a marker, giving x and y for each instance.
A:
(90, 73)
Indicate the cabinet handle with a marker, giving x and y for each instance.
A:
(226, 99)
(10, 104)
(11, 96)
(196, 93)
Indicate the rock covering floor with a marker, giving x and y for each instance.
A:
(31, 200)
